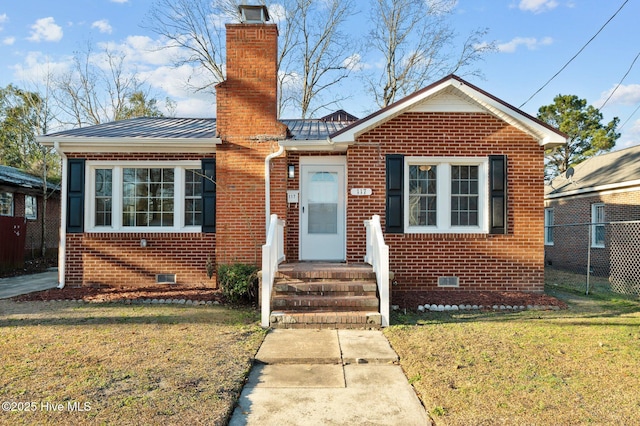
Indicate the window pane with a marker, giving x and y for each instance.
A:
(148, 197)
(464, 195)
(30, 207)
(422, 195)
(193, 197)
(6, 204)
(103, 197)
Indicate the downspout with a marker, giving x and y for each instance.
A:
(267, 182)
(63, 214)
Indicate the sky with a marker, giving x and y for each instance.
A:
(535, 40)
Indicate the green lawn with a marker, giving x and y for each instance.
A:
(123, 364)
(570, 367)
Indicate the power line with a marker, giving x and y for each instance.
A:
(621, 80)
(627, 120)
(576, 55)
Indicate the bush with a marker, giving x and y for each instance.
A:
(238, 281)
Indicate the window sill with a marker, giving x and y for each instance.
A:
(144, 230)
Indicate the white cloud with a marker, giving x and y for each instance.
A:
(3, 18)
(537, 6)
(354, 63)
(531, 43)
(8, 41)
(624, 95)
(102, 26)
(45, 29)
(120, 1)
(277, 13)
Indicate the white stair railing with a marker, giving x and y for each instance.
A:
(272, 256)
(377, 255)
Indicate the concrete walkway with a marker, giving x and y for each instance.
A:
(23, 284)
(327, 377)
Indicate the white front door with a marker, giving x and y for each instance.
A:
(322, 208)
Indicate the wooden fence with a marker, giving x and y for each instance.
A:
(13, 233)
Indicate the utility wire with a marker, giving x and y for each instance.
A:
(627, 120)
(621, 80)
(576, 55)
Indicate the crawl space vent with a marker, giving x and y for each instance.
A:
(166, 278)
(448, 282)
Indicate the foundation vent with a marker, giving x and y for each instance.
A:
(448, 282)
(166, 278)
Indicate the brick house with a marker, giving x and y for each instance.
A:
(455, 174)
(21, 201)
(580, 208)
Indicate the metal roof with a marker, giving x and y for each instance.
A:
(16, 177)
(615, 169)
(191, 128)
(146, 128)
(313, 129)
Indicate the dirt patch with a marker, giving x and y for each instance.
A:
(111, 294)
(411, 299)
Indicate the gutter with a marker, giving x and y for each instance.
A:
(63, 214)
(267, 182)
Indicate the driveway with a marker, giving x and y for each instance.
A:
(23, 284)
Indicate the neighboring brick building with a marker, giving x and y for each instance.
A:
(455, 173)
(21, 196)
(598, 191)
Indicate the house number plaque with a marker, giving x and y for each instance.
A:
(360, 191)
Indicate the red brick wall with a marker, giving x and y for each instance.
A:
(34, 227)
(513, 262)
(116, 259)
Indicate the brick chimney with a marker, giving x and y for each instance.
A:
(247, 99)
(248, 125)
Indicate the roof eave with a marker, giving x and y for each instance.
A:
(321, 145)
(92, 144)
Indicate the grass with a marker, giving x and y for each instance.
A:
(123, 364)
(576, 366)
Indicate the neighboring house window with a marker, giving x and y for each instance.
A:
(446, 195)
(30, 207)
(548, 226)
(193, 197)
(597, 225)
(6, 204)
(132, 196)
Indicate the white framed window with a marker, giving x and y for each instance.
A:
(30, 207)
(597, 225)
(548, 226)
(143, 197)
(446, 195)
(6, 204)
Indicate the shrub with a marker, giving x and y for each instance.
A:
(238, 281)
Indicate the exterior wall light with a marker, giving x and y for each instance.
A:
(291, 171)
(143, 243)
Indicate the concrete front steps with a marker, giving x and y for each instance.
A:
(325, 295)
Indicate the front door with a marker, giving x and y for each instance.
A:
(322, 208)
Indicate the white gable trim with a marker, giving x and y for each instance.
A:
(453, 87)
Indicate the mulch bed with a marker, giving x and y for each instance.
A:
(404, 299)
(411, 299)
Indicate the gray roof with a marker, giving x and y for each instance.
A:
(313, 129)
(189, 128)
(16, 177)
(146, 128)
(616, 168)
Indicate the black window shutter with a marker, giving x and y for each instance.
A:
(75, 195)
(209, 195)
(395, 183)
(498, 194)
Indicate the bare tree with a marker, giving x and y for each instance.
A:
(325, 52)
(196, 28)
(97, 89)
(417, 44)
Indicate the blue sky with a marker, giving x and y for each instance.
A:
(535, 38)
